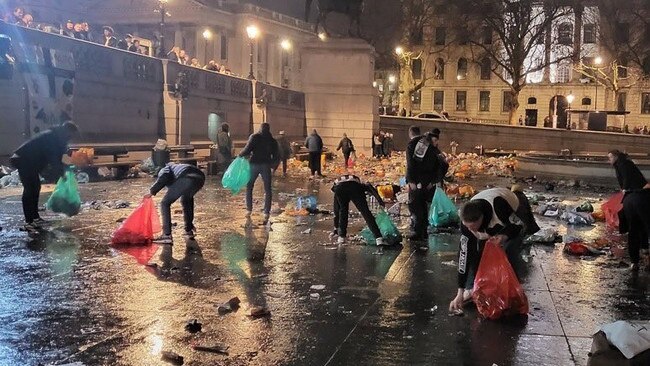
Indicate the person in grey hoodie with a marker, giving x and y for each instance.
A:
(183, 181)
(314, 145)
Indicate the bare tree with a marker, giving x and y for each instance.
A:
(521, 42)
(612, 76)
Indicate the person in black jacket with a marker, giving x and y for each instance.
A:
(423, 172)
(263, 150)
(346, 146)
(349, 188)
(31, 159)
(183, 181)
(314, 144)
(489, 214)
(635, 218)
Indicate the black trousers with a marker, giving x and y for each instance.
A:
(419, 202)
(636, 206)
(314, 163)
(346, 157)
(344, 193)
(31, 191)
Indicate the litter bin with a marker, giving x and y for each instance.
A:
(160, 158)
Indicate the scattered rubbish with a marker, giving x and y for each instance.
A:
(259, 312)
(579, 248)
(450, 263)
(220, 349)
(314, 296)
(544, 236)
(577, 218)
(621, 343)
(458, 312)
(229, 306)
(395, 210)
(82, 157)
(172, 357)
(140, 226)
(443, 212)
(317, 287)
(193, 326)
(585, 207)
(83, 178)
(161, 145)
(550, 187)
(432, 310)
(261, 275)
(100, 205)
(5, 170)
(611, 209)
(11, 180)
(104, 172)
(307, 232)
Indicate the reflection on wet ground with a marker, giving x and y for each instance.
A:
(67, 296)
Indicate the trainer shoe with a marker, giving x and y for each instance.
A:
(381, 242)
(30, 228)
(333, 235)
(340, 240)
(40, 222)
(163, 239)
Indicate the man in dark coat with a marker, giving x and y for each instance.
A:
(314, 145)
(263, 151)
(346, 146)
(31, 159)
(109, 39)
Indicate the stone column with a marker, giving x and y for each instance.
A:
(337, 80)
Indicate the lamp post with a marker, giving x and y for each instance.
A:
(252, 33)
(597, 61)
(162, 8)
(207, 36)
(569, 98)
(286, 47)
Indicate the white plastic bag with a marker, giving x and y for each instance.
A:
(631, 338)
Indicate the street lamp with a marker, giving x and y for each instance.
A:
(252, 33)
(392, 79)
(399, 50)
(597, 61)
(322, 36)
(286, 47)
(207, 35)
(162, 8)
(569, 98)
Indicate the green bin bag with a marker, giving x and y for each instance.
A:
(65, 198)
(237, 175)
(443, 211)
(387, 227)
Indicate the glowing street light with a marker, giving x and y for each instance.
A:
(322, 36)
(570, 98)
(207, 36)
(285, 44)
(392, 79)
(598, 60)
(252, 31)
(399, 50)
(162, 8)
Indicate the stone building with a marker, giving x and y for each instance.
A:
(463, 84)
(207, 30)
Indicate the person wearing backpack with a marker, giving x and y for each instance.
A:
(183, 181)
(346, 147)
(32, 158)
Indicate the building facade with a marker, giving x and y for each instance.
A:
(466, 85)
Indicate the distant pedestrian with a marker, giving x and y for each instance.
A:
(284, 152)
(174, 54)
(18, 14)
(78, 31)
(314, 145)
(28, 21)
(195, 63)
(521, 120)
(31, 159)
(636, 205)
(377, 141)
(645, 130)
(88, 34)
(387, 145)
(183, 181)
(347, 148)
(263, 150)
(224, 146)
(68, 29)
(211, 66)
(109, 38)
(135, 46)
(349, 188)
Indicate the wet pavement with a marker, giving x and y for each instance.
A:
(68, 297)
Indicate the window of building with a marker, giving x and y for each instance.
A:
(645, 66)
(416, 66)
(463, 37)
(645, 103)
(565, 34)
(621, 102)
(417, 36)
(461, 101)
(622, 68)
(441, 36)
(487, 35)
(439, 72)
(589, 33)
(586, 101)
(416, 99)
(486, 68)
(507, 101)
(532, 100)
(622, 32)
(484, 101)
(563, 73)
(224, 47)
(462, 69)
(438, 100)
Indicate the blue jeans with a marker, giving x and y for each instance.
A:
(265, 171)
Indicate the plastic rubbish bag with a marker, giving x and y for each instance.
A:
(11, 180)
(497, 292)
(82, 157)
(611, 208)
(83, 178)
(443, 211)
(65, 198)
(387, 228)
(578, 218)
(544, 236)
(140, 227)
(161, 145)
(237, 175)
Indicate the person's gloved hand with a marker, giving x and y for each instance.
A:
(456, 304)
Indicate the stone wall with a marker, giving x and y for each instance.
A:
(469, 135)
(284, 110)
